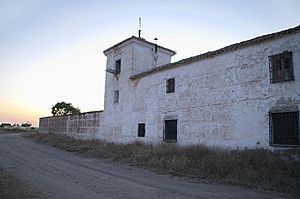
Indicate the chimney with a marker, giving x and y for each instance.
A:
(155, 45)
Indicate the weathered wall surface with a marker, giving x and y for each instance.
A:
(119, 117)
(83, 126)
(222, 101)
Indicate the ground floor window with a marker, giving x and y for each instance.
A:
(170, 133)
(284, 128)
(141, 130)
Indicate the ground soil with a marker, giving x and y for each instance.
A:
(60, 174)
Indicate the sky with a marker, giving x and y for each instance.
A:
(52, 50)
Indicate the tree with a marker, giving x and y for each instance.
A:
(63, 108)
(3, 125)
(27, 124)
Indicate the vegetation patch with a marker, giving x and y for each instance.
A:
(256, 168)
(12, 188)
(18, 130)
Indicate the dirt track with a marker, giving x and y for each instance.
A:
(59, 174)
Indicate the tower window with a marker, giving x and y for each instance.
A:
(281, 67)
(141, 130)
(116, 97)
(284, 128)
(170, 85)
(118, 66)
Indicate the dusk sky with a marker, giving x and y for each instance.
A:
(52, 51)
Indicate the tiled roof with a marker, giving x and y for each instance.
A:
(221, 51)
(140, 39)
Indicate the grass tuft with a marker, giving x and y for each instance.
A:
(256, 168)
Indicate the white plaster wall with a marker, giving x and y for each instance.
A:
(221, 101)
(119, 119)
(145, 58)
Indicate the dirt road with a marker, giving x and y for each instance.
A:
(59, 174)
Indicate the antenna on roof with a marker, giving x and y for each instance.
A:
(140, 25)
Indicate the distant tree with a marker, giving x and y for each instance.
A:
(16, 125)
(27, 124)
(63, 108)
(3, 125)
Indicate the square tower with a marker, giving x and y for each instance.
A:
(125, 59)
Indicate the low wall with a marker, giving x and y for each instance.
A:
(83, 125)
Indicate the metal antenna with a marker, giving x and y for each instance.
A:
(140, 26)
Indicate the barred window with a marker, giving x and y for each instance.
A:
(141, 130)
(281, 67)
(170, 85)
(170, 134)
(284, 128)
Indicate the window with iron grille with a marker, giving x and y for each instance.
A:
(281, 67)
(170, 85)
(118, 66)
(284, 129)
(141, 130)
(116, 97)
(170, 134)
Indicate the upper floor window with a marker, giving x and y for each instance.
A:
(281, 67)
(284, 128)
(118, 66)
(170, 85)
(116, 97)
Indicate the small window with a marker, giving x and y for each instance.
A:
(170, 85)
(284, 128)
(116, 97)
(141, 130)
(170, 134)
(281, 67)
(118, 66)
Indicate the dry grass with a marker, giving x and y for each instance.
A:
(11, 187)
(262, 169)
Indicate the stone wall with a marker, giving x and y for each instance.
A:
(83, 126)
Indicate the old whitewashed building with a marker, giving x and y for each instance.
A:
(243, 95)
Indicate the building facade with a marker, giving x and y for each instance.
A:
(243, 95)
